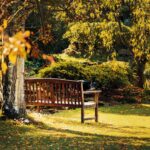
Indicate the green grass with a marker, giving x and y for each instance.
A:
(65, 57)
(120, 128)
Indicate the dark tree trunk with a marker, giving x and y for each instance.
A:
(140, 72)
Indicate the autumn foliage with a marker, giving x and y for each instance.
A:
(13, 47)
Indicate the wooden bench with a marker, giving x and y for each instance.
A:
(59, 93)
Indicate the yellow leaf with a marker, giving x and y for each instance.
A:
(28, 46)
(12, 58)
(92, 15)
(23, 54)
(27, 34)
(4, 67)
(5, 23)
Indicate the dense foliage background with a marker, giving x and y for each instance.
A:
(105, 43)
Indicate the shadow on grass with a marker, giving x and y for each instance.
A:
(39, 136)
(139, 109)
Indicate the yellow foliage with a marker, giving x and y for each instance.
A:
(13, 47)
(4, 67)
(5, 24)
(92, 15)
(27, 33)
(12, 57)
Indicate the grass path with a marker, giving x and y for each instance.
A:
(120, 127)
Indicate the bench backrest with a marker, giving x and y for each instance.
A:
(53, 92)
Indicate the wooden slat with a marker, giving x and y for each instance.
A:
(71, 93)
(48, 92)
(52, 93)
(67, 93)
(63, 93)
(45, 91)
(92, 92)
(31, 92)
(34, 91)
(26, 91)
(74, 93)
(39, 90)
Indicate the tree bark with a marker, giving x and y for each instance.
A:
(19, 94)
(140, 73)
(8, 81)
(13, 91)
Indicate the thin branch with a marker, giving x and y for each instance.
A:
(41, 14)
(16, 13)
(1, 8)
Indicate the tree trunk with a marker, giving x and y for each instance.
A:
(140, 73)
(13, 91)
(19, 94)
(8, 91)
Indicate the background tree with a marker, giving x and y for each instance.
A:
(110, 26)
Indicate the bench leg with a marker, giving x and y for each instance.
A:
(96, 107)
(82, 114)
(38, 109)
(96, 113)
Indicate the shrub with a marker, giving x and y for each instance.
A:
(128, 94)
(132, 94)
(67, 70)
(33, 65)
(105, 76)
(146, 96)
(111, 75)
(147, 77)
(147, 73)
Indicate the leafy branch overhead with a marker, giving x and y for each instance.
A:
(13, 47)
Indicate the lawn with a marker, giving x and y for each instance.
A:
(120, 128)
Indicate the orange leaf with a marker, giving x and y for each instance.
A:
(44, 56)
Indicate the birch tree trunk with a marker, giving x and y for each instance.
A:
(13, 88)
(9, 81)
(19, 103)
(13, 91)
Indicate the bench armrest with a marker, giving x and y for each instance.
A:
(96, 94)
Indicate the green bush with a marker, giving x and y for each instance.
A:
(33, 65)
(132, 94)
(111, 75)
(67, 70)
(106, 76)
(146, 96)
(147, 73)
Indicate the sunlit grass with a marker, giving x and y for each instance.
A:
(117, 129)
(66, 57)
(110, 123)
